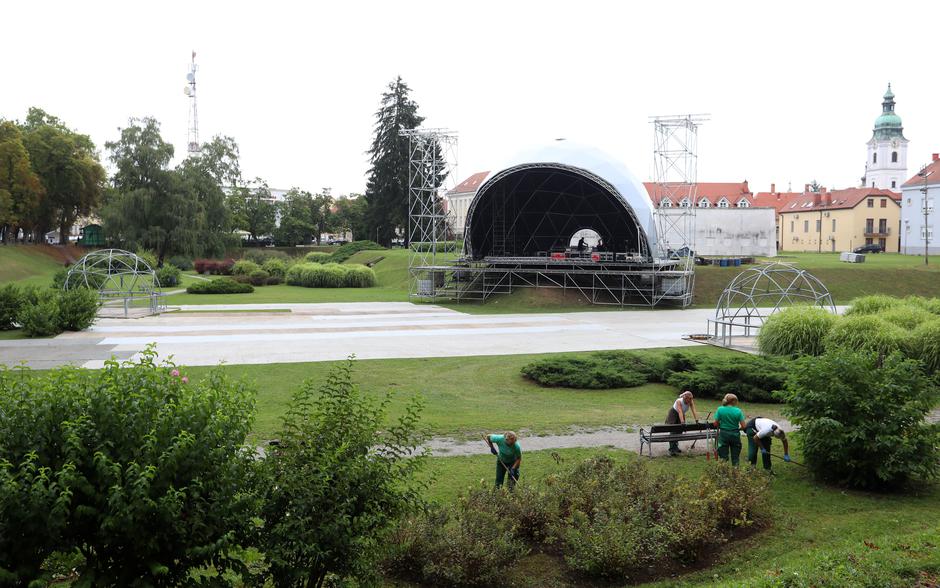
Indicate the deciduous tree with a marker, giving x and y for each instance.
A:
(20, 188)
(253, 208)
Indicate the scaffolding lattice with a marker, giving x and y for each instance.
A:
(432, 164)
(675, 164)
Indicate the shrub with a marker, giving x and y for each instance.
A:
(866, 333)
(223, 267)
(169, 275)
(219, 286)
(317, 257)
(148, 256)
(131, 465)
(259, 277)
(924, 344)
(58, 278)
(346, 251)
(243, 267)
(873, 304)
(77, 308)
(39, 314)
(11, 302)
(328, 502)
(359, 276)
(183, 262)
(260, 256)
(931, 305)
(907, 317)
(204, 266)
(861, 418)
(590, 372)
(798, 330)
(275, 267)
(751, 378)
(330, 275)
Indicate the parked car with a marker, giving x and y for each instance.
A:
(337, 242)
(870, 248)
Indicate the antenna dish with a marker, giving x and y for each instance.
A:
(187, 90)
(190, 77)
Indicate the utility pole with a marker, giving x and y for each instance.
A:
(926, 174)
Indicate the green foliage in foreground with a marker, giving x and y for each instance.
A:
(131, 466)
(861, 419)
(608, 520)
(43, 312)
(339, 478)
(219, 286)
(798, 330)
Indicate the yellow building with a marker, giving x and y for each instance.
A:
(841, 220)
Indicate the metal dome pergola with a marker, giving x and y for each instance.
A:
(126, 284)
(758, 292)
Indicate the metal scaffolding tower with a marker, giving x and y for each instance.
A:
(192, 140)
(432, 164)
(675, 164)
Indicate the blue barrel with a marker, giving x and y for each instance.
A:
(723, 263)
(737, 262)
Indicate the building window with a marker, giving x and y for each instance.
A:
(929, 233)
(684, 203)
(874, 158)
(883, 243)
(871, 201)
(833, 225)
(743, 203)
(928, 205)
(868, 241)
(665, 203)
(704, 203)
(818, 225)
(894, 184)
(791, 227)
(894, 157)
(884, 201)
(806, 226)
(908, 201)
(883, 226)
(869, 225)
(723, 203)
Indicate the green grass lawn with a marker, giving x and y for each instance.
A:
(466, 396)
(810, 519)
(27, 265)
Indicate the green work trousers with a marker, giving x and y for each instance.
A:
(729, 446)
(753, 448)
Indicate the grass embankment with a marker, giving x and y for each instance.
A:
(467, 396)
(29, 264)
(813, 525)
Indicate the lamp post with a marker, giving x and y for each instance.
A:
(925, 174)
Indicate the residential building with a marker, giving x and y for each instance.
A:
(457, 201)
(919, 215)
(777, 201)
(705, 195)
(841, 220)
(886, 163)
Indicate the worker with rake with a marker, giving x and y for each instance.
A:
(508, 457)
(760, 433)
(729, 420)
(676, 415)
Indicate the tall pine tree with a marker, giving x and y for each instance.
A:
(387, 188)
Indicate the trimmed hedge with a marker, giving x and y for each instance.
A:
(330, 275)
(220, 286)
(598, 371)
(751, 378)
(349, 249)
(318, 257)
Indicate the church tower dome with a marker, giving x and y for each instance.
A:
(886, 166)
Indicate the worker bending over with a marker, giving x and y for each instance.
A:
(760, 433)
(508, 457)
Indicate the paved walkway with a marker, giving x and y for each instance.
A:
(322, 332)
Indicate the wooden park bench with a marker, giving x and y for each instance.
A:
(667, 433)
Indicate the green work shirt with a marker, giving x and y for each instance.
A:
(729, 418)
(508, 454)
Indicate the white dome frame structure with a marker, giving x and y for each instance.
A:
(758, 292)
(126, 284)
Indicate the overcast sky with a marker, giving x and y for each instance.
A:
(793, 88)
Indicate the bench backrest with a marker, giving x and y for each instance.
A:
(680, 428)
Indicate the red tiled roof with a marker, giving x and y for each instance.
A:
(933, 180)
(775, 200)
(713, 191)
(470, 184)
(840, 199)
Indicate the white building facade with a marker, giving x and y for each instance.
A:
(920, 218)
(886, 166)
(458, 201)
(744, 232)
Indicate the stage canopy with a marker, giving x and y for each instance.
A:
(536, 202)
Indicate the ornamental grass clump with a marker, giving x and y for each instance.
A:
(907, 317)
(330, 275)
(931, 305)
(798, 330)
(317, 257)
(924, 344)
(866, 333)
(873, 304)
(244, 267)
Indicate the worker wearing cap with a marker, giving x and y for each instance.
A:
(676, 416)
(760, 433)
(729, 420)
(508, 457)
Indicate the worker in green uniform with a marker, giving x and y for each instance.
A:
(508, 457)
(729, 419)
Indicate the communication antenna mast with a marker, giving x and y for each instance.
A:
(192, 141)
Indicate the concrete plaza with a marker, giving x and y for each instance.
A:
(285, 333)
